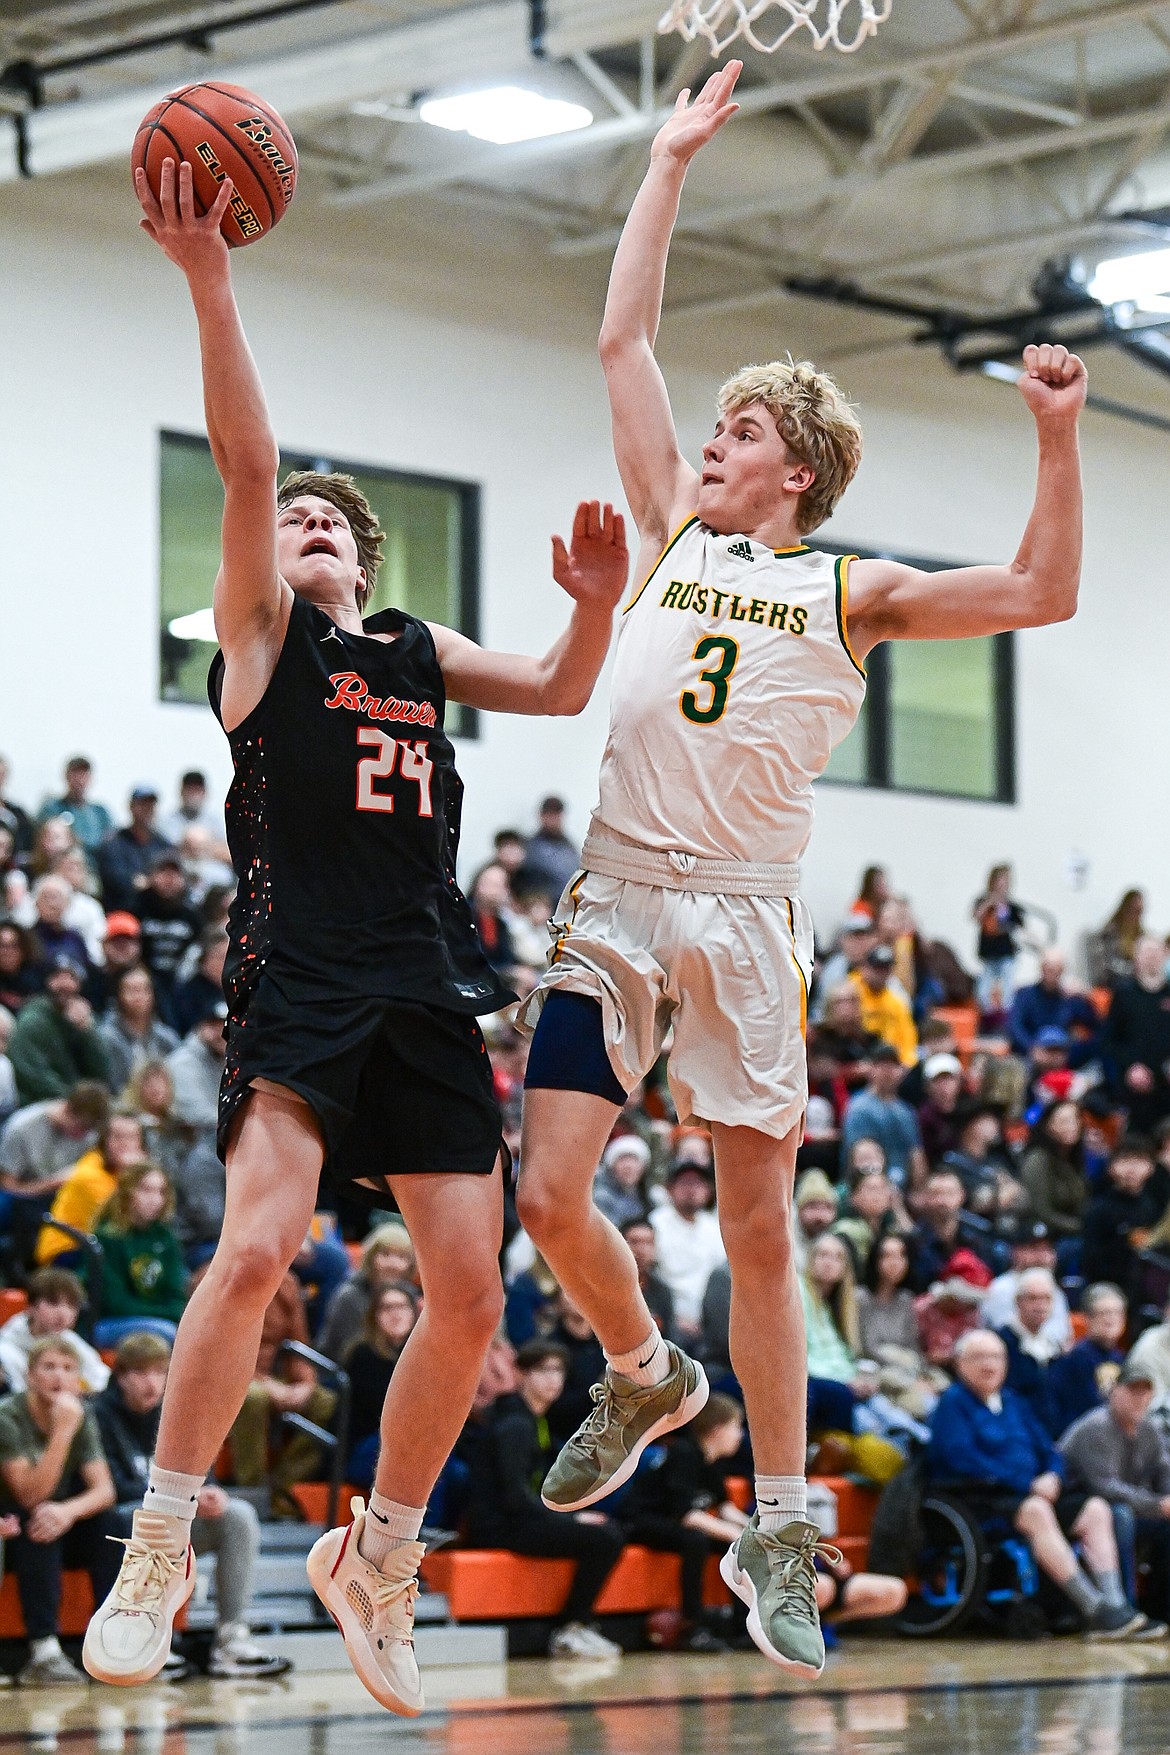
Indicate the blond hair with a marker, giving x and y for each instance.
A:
(815, 421)
(343, 492)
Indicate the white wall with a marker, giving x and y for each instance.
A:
(466, 364)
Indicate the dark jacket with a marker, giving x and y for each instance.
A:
(507, 1472)
(128, 1440)
(1056, 1189)
(1039, 1008)
(1026, 1376)
(1107, 1252)
(1078, 1382)
(50, 1055)
(970, 1443)
(1137, 1031)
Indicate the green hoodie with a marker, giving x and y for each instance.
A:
(142, 1272)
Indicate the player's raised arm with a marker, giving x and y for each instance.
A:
(659, 484)
(593, 571)
(248, 591)
(892, 602)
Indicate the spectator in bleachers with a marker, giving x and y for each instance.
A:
(370, 1361)
(196, 1067)
(84, 913)
(1053, 1172)
(814, 1211)
(1117, 1454)
(322, 1266)
(829, 1302)
(1030, 1350)
(51, 896)
(1079, 1381)
(686, 1232)
(90, 821)
(1118, 1223)
(193, 811)
(620, 1187)
(1000, 923)
(885, 1011)
(127, 1415)
(122, 948)
(1049, 1003)
(13, 815)
(885, 1303)
(125, 856)
(550, 858)
(170, 925)
(200, 1184)
(56, 1044)
(1151, 1351)
(842, 1037)
(939, 1114)
(857, 938)
(678, 1503)
(39, 1145)
(1135, 1042)
(89, 1186)
(878, 1113)
(1031, 1247)
(935, 1036)
(55, 1480)
(204, 986)
(1111, 951)
(874, 1208)
(639, 1234)
(509, 847)
(150, 1094)
(584, 1366)
(20, 975)
(988, 1444)
(144, 1279)
(490, 900)
(56, 1299)
(387, 1257)
(944, 1225)
(983, 1164)
(131, 1030)
(262, 1452)
(949, 1309)
(506, 1511)
(874, 892)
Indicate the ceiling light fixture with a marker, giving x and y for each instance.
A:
(504, 114)
(1141, 280)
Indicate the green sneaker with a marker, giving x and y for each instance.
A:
(603, 1452)
(775, 1576)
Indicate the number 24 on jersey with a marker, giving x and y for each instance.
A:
(411, 761)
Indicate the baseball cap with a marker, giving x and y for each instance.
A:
(1052, 1036)
(885, 1054)
(61, 962)
(682, 1165)
(941, 1063)
(814, 1185)
(858, 920)
(167, 856)
(1030, 1231)
(1133, 1371)
(122, 924)
(144, 790)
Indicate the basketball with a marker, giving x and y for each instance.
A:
(223, 131)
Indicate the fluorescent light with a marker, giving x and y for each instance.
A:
(1142, 280)
(505, 113)
(199, 626)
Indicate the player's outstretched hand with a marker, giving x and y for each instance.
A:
(193, 242)
(1055, 383)
(595, 568)
(693, 124)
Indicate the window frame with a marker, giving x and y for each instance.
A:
(470, 497)
(879, 721)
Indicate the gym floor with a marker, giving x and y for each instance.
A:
(1057, 1697)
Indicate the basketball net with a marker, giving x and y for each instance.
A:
(723, 21)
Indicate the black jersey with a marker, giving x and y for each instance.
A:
(343, 824)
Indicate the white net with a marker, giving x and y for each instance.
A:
(766, 24)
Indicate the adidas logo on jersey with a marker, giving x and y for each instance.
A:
(741, 550)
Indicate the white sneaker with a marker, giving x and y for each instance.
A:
(129, 1638)
(576, 1641)
(373, 1610)
(236, 1653)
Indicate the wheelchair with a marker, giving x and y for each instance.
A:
(967, 1571)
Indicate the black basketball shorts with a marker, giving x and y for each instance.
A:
(399, 1087)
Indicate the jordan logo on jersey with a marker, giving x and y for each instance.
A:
(741, 550)
(355, 697)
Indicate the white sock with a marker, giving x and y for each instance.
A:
(388, 1526)
(780, 1499)
(645, 1365)
(44, 1648)
(172, 1494)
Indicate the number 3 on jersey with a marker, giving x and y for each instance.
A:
(716, 676)
(413, 764)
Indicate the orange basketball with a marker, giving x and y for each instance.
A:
(223, 131)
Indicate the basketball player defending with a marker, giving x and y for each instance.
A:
(354, 978)
(738, 668)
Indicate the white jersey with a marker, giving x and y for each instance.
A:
(733, 682)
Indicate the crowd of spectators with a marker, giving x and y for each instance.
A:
(980, 1216)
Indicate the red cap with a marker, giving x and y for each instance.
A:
(122, 925)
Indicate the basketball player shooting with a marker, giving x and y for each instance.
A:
(354, 976)
(739, 666)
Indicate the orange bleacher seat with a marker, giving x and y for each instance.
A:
(1102, 998)
(964, 1022)
(1080, 1324)
(313, 1499)
(12, 1302)
(76, 1606)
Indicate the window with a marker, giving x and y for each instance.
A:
(430, 560)
(939, 715)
